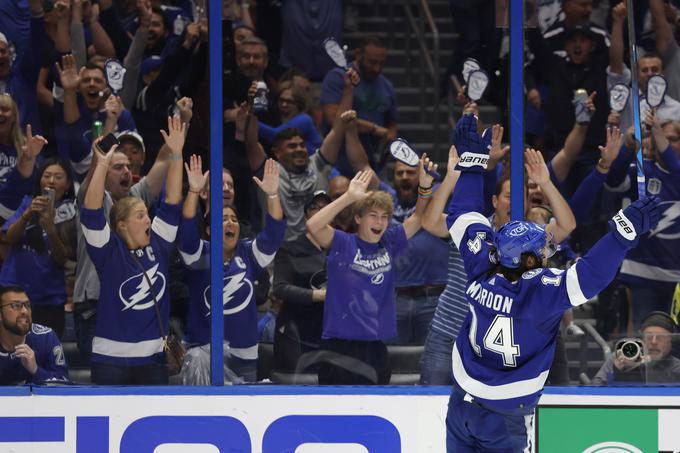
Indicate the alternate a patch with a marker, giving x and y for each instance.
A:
(654, 186)
(531, 274)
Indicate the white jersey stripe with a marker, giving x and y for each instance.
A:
(191, 258)
(245, 353)
(461, 224)
(97, 238)
(112, 348)
(262, 259)
(494, 392)
(166, 231)
(649, 272)
(574, 292)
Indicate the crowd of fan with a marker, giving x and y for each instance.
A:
(348, 251)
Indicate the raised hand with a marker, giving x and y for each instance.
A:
(270, 178)
(351, 76)
(348, 116)
(34, 144)
(191, 34)
(536, 168)
(610, 151)
(453, 160)
(98, 155)
(185, 108)
(426, 167)
(175, 136)
(144, 13)
(114, 107)
(358, 186)
(619, 13)
(590, 102)
(68, 72)
(195, 176)
(497, 151)
(63, 9)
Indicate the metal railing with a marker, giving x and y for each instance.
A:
(420, 25)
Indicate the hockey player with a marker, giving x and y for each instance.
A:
(243, 260)
(132, 265)
(503, 353)
(29, 353)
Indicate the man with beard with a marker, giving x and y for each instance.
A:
(301, 174)
(374, 101)
(421, 268)
(29, 353)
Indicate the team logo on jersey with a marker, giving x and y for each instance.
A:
(135, 292)
(518, 230)
(378, 279)
(237, 292)
(612, 447)
(654, 186)
(669, 226)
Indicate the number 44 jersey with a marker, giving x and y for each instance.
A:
(503, 353)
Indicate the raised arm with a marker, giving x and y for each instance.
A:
(70, 79)
(133, 58)
(413, 223)
(663, 32)
(28, 154)
(94, 197)
(270, 186)
(62, 38)
(434, 219)
(537, 171)
(356, 153)
(319, 224)
(619, 14)
(103, 45)
(330, 147)
(197, 181)
(174, 139)
(78, 33)
(565, 158)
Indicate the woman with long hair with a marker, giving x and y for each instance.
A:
(42, 237)
(244, 260)
(11, 138)
(131, 254)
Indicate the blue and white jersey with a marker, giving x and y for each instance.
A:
(239, 274)
(8, 160)
(360, 302)
(504, 350)
(127, 331)
(657, 256)
(49, 355)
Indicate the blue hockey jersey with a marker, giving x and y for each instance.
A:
(127, 331)
(504, 350)
(657, 257)
(49, 355)
(238, 299)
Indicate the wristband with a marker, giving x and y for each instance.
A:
(424, 188)
(273, 195)
(195, 191)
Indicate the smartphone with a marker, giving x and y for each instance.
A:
(49, 193)
(107, 143)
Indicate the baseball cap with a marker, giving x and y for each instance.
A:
(318, 195)
(133, 135)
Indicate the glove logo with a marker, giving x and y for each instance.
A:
(624, 226)
(468, 160)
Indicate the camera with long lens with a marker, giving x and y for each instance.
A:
(631, 349)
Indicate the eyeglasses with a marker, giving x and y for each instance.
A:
(17, 306)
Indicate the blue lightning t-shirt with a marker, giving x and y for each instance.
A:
(238, 299)
(505, 348)
(360, 302)
(128, 331)
(49, 356)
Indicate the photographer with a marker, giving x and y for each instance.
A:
(654, 364)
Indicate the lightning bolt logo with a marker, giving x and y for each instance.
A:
(668, 219)
(143, 292)
(232, 285)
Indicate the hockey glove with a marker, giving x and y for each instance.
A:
(473, 149)
(634, 221)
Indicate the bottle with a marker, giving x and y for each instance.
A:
(97, 129)
(260, 103)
